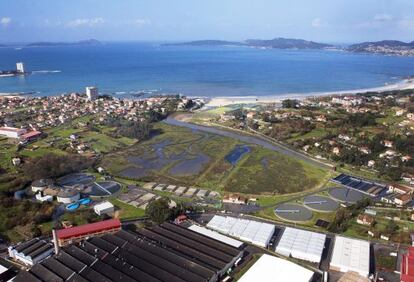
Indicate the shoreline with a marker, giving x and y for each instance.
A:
(221, 101)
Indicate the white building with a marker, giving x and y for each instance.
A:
(68, 196)
(351, 255)
(41, 184)
(92, 93)
(270, 268)
(216, 236)
(301, 244)
(31, 252)
(255, 232)
(45, 198)
(12, 132)
(20, 67)
(104, 208)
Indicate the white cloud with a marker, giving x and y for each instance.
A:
(85, 22)
(141, 22)
(317, 22)
(383, 17)
(406, 23)
(5, 21)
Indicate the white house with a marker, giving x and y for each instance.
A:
(12, 132)
(104, 208)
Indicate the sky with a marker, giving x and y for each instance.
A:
(331, 21)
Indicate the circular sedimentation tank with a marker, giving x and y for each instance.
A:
(345, 195)
(293, 212)
(320, 203)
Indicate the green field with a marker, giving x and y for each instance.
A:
(261, 171)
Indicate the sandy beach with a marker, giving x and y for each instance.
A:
(225, 101)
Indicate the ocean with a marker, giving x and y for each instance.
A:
(123, 69)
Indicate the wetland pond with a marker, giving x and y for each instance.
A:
(237, 153)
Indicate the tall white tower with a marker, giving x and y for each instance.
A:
(92, 93)
(20, 67)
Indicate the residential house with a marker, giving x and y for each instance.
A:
(402, 200)
(365, 219)
(388, 143)
(234, 199)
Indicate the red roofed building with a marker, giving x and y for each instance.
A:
(78, 233)
(31, 135)
(407, 266)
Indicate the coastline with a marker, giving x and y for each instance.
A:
(221, 101)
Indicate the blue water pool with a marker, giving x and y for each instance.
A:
(85, 201)
(72, 207)
(237, 153)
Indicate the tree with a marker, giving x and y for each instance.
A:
(53, 166)
(290, 103)
(391, 227)
(159, 210)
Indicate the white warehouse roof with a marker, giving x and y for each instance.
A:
(217, 236)
(301, 244)
(351, 255)
(254, 232)
(269, 268)
(103, 206)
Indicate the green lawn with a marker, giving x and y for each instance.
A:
(127, 211)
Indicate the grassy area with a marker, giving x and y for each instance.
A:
(261, 171)
(127, 211)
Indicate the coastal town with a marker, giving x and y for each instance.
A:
(61, 174)
(206, 141)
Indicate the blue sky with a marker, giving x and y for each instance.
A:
(338, 21)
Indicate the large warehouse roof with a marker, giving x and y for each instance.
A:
(161, 253)
(269, 268)
(217, 236)
(255, 232)
(301, 244)
(351, 255)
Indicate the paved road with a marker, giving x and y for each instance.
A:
(248, 139)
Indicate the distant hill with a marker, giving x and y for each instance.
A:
(77, 43)
(287, 43)
(277, 43)
(390, 47)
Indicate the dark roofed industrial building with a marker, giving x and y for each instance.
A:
(166, 252)
(31, 252)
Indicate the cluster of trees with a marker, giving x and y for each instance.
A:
(159, 210)
(351, 156)
(361, 120)
(290, 104)
(135, 129)
(344, 215)
(286, 128)
(24, 212)
(53, 166)
(132, 129)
